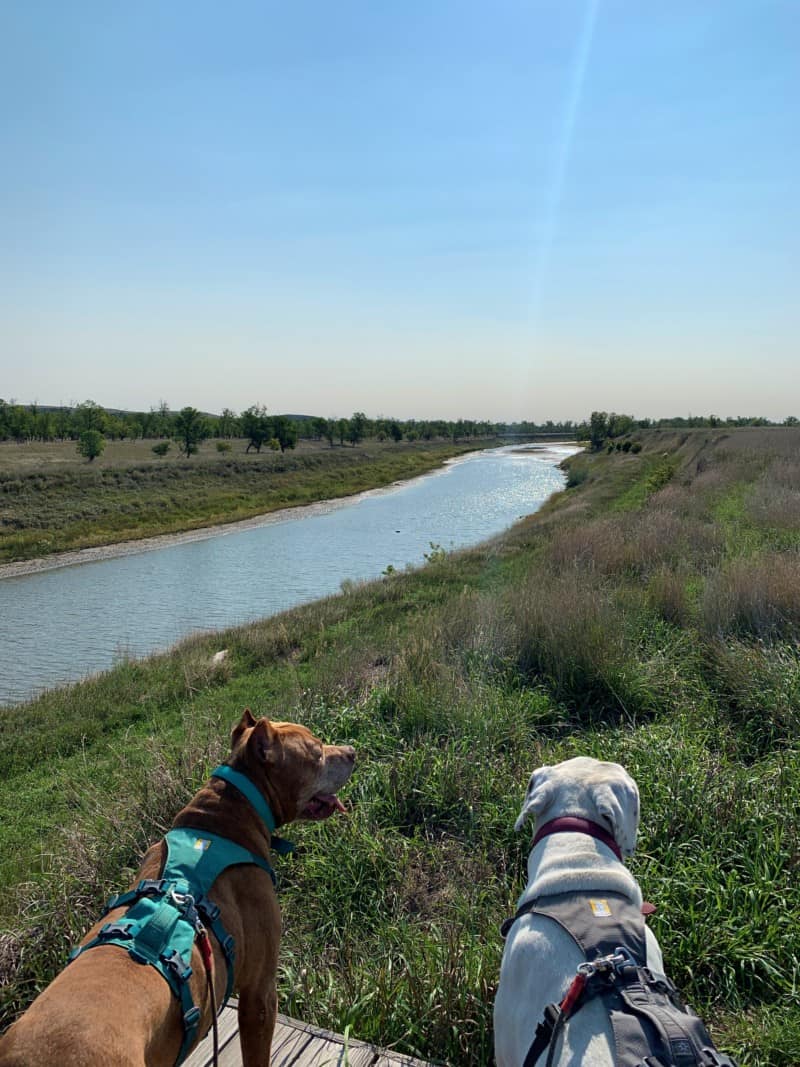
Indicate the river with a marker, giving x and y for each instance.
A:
(64, 623)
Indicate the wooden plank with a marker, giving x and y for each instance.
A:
(330, 1046)
(289, 1043)
(386, 1058)
(228, 1026)
(321, 1053)
(296, 1044)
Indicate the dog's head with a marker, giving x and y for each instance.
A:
(586, 788)
(299, 774)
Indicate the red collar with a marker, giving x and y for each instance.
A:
(573, 825)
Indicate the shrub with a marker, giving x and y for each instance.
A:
(576, 475)
(91, 444)
(161, 448)
(223, 446)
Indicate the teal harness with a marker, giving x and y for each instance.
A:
(166, 914)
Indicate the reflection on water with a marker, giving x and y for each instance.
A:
(62, 624)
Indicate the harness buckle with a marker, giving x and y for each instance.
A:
(123, 930)
(150, 887)
(624, 963)
(191, 1018)
(178, 965)
(603, 964)
(208, 909)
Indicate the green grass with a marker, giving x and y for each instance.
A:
(636, 633)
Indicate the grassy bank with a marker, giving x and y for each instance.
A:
(649, 614)
(50, 501)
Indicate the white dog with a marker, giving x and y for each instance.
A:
(586, 817)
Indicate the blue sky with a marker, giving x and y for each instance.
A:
(504, 210)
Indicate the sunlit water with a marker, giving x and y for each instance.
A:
(63, 624)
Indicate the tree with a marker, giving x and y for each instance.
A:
(163, 420)
(91, 444)
(227, 423)
(357, 430)
(598, 429)
(285, 432)
(190, 428)
(342, 429)
(256, 426)
(319, 427)
(619, 425)
(88, 416)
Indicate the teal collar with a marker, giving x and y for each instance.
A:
(255, 796)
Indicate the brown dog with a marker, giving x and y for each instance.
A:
(107, 1010)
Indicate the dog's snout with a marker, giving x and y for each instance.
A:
(349, 753)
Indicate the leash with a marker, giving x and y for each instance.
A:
(204, 944)
(548, 1031)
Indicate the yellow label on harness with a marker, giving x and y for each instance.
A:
(201, 844)
(600, 908)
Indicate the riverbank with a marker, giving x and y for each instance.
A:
(57, 507)
(650, 614)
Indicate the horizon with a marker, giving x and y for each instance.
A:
(374, 416)
(527, 213)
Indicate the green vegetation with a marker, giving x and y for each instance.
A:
(648, 619)
(34, 422)
(91, 444)
(130, 495)
(190, 428)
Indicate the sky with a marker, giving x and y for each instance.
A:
(516, 209)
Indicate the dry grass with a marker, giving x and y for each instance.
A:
(638, 544)
(775, 499)
(757, 597)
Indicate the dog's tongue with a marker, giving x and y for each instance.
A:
(322, 806)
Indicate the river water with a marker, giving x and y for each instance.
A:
(60, 625)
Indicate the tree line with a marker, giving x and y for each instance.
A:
(88, 424)
(603, 426)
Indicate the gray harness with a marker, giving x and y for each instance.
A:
(651, 1024)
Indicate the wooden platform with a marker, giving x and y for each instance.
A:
(296, 1044)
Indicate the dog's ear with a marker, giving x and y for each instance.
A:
(247, 720)
(539, 796)
(617, 805)
(261, 739)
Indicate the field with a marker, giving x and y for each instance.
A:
(52, 501)
(649, 614)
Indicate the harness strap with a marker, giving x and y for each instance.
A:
(544, 1034)
(210, 912)
(683, 1034)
